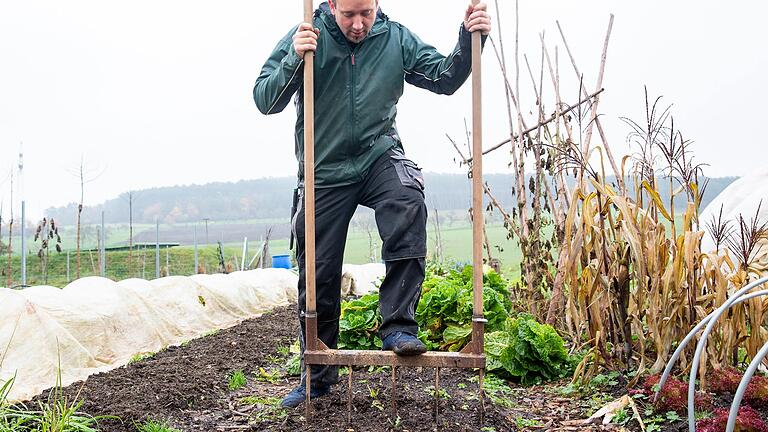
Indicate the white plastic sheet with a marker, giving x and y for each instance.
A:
(95, 324)
(742, 197)
(362, 279)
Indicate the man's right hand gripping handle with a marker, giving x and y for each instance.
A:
(305, 39)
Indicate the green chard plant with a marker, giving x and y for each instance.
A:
(359, 323)
(528, 351)
(444, 312)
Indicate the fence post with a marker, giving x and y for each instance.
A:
(103, 249)
(245, 253)
(23, 245)
(197, 267)
(157, 249)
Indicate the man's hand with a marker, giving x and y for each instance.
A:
(477, 19)
(305, 39)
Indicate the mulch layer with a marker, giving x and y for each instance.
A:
(187, 387)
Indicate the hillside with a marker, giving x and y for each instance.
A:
(270, 198)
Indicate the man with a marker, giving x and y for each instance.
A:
(362, 60)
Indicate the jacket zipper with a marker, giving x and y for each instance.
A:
(353, 138)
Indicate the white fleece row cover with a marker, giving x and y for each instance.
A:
(743, 197)
(95, 324)
(361, 279)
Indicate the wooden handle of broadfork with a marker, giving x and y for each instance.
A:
(309, 190)
(310, 313)
(477, 195)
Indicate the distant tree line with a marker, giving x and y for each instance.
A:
(270, 198)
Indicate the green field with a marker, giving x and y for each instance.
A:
(456, 241)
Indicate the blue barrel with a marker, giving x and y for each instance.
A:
(281, 261)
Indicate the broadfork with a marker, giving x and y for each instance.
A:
(316, 353)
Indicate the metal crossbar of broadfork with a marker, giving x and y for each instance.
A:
(316, 353)
(739, 297)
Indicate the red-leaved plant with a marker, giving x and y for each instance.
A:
(757, 392)
(748, 420)
(724, 380)
(674, 395)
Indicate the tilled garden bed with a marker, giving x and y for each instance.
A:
(187, 387)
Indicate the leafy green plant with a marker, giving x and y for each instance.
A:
(140, 356)
(522, 422)
(359, 323)
(272, 376)
(498, 391)
(293, 366)
(604, 380)
(441, 393)
(236, 380)
(150, 425)
(213, 332)
(528, 351)
(267, 408)
(622, 417)
(444, 312)
(256, 400)
(375, 402)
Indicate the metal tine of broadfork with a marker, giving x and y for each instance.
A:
(478, 320)
(394, 393)
(307, 401)
(310, 316)
(482, 397)
(437, 397)
(349, 397)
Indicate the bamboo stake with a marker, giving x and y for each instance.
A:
(552, 118)
(507, 218)
(600, 76)
(562, 190)
(597, 122)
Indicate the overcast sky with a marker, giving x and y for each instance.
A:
(158, 92)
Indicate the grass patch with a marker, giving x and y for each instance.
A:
(267, 408)
(213, 332)
(57, 414)
(236, 380)
(155, 426)
(256, 400)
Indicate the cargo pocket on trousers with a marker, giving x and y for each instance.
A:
(409, 174)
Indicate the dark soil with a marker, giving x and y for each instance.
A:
(187, 387)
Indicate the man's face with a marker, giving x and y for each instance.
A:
(355, 17)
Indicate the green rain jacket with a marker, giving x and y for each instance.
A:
(357, 87)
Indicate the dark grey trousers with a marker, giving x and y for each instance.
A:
(394, 189)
